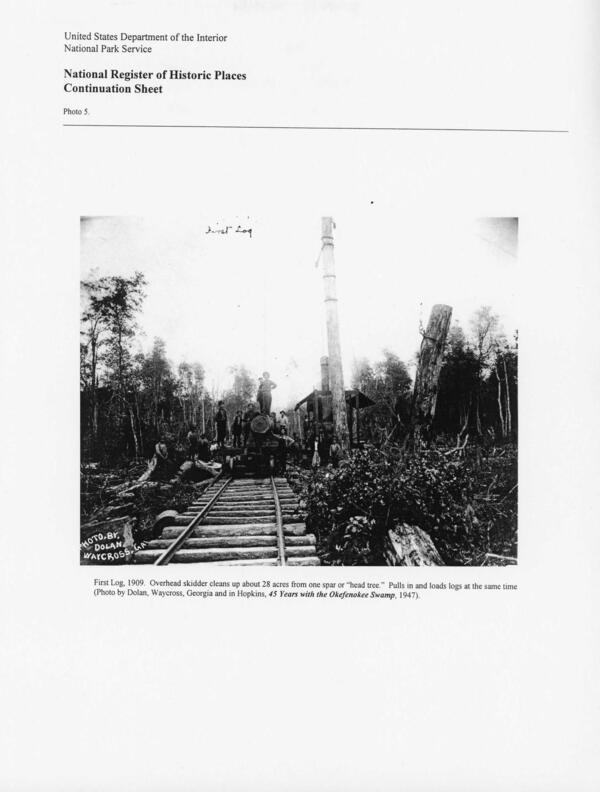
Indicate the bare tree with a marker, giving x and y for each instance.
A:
(487, 336)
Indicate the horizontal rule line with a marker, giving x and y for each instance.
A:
(323, 128)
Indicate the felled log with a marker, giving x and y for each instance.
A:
(493, 559)
(198, 470)
(408, 545)
(118, 510)
(164, 519)
(139, 485)
(149, 470)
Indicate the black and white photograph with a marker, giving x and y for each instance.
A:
(299, 304)
(299, 389)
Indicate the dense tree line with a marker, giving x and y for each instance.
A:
(479, 382)
(477, 393)
(128, 398)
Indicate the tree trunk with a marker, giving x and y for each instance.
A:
(500, 411)
(134, 433)
(508, 412)
(139, 423)
(428, 371)
(94, 404)
(120, 378)
(336, 377)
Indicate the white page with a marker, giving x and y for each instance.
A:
(402, 121)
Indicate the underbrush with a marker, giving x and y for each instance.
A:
(467, 505)
(109, 494)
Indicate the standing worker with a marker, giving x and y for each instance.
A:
(236, 429)
(284, 421)
(259, 395)
(335, 452)
(221, 422)
(161, 455)
(285, 443)
(247, 420)
(192, 438)
(264, 397)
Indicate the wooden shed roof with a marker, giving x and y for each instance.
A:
(363, 401)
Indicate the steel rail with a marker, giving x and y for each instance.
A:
(165, 557)
(279, 520)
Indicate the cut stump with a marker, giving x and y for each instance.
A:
(408, 545)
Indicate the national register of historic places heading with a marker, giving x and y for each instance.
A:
(84, 81)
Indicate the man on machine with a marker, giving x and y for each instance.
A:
(263, 396)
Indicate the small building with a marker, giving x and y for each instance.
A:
(318, 404)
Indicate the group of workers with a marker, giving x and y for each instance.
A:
(240, 426)
(199, 447)
(315, 442)
(241, 422)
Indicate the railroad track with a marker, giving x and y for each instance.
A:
(236, 521)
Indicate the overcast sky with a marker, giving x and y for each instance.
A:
(226, 299)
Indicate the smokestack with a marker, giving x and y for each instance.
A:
(336, 376)
(325, 373)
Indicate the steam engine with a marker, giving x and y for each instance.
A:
(260, 452)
